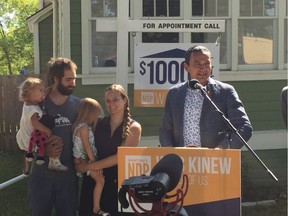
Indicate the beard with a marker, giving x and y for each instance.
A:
(65, 90)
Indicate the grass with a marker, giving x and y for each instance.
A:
(14, 201)
(280, 209)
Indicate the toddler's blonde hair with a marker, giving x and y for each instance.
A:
(27, 86)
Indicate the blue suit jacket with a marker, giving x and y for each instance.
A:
(212, 123)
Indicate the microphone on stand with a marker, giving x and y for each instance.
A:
(195, 84)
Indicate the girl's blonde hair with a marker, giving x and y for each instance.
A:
(89, 110)
(127, 115)
(27, 86)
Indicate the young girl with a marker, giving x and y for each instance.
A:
(116, 129)
(35, 127)
(89, 111)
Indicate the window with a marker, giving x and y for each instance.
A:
(210, 8)
(257, 7)
(212, 37)
(103, 44)
(256, 40)
(253, 39)
(103, 8)
(255, 32)
(161, 8)
(214, 9)
(151, 37)
(104, 48)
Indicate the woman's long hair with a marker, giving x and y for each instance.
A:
(127, 115)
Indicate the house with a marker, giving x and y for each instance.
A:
(70, 28)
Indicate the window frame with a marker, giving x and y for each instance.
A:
(229, 71)
(268, 66)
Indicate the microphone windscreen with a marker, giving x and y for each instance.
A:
(172, 165)
(122, 198)
(193, 84)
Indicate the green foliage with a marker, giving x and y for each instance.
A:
(16, 42)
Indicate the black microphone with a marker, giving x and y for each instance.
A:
(163, 178)
(172, 165)
(195, 84)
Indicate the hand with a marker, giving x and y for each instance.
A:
(80, 165)
(192, 145)
(219, 147)
(54, 146)
(48, 132)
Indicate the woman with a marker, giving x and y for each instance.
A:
(117, 129)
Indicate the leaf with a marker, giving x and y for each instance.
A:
(16, 42)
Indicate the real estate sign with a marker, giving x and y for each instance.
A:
(159, 66)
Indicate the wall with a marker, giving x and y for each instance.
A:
(46, 41)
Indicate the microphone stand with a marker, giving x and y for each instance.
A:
(227, 136)
(236, 132)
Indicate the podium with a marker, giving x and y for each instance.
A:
(214, 176)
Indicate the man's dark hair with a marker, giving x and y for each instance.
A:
(57, 67)
(194, 49)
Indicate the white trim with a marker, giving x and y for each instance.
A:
(264, 140)
(261, 140)
(122, 43)
(36, 48)
(253, 75)
(39, 16)
(103, 78)
(86, 49)
(281, 33)
(108, 78)
(165, 25)
(234, 34)
(65, 47)
(55, 28)
(34, 28)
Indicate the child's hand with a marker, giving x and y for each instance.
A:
(48, 132)
(54, 146)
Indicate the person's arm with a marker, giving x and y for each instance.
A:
(132, 140)
(166, 131)
(53, 147)
(238, 118)
(83, 133)
(83, 166)
(134, 136)
(36, 124)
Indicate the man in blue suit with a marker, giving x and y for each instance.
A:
(191, 120)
